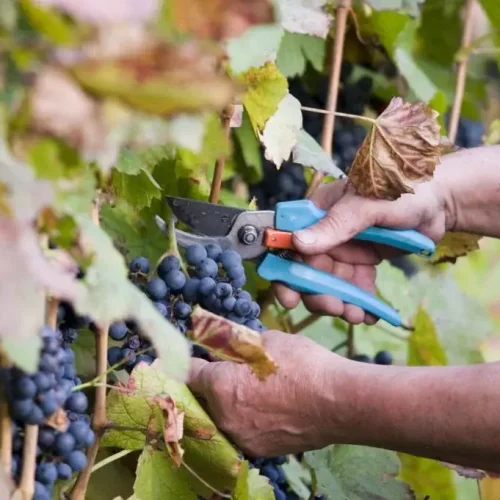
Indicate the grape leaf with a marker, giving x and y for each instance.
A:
(309, 153)
(337, 472)
(252, 486)
(402, 148)
(217, 20)
(107, 295)
(410, 6)
(160, 80)
(309, 17)
(427, 477)
(255, 47)
(266, 87)
(105, 13)
(281, 130)
(230, 341)
(139, 190)
(157, 478)
(298, 477)
(206, 450)
(454, 245)
(296, 50)
(131, 162)
(424, 348)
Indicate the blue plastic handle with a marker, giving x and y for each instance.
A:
(307, 279)
(295, 215)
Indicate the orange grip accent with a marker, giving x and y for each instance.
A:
(278, 239)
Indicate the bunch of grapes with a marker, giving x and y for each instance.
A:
(470, 133)
(214, 280)
(381, 358)
(271, 468)
(33, 399)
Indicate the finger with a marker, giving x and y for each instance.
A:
(370, 320)
(198, 380)
(288, 298)
(355, 253)
(327, 195)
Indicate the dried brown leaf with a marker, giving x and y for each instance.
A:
(455, 245)
(403, 148)
(232, 342)
(58, 421)
(219, 19)
(174, 427)
(469, 472)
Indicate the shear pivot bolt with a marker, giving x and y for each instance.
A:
(248, 234)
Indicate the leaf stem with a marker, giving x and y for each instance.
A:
(110, 459)
(5, 437)
(461, 71)
(302, 324)
(209, 486)
(350, 341)
(339, 346)
(367, 119)
(27, 483)
(342, 13)
(219, 167)
(99, 418)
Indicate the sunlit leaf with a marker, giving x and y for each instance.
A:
(454, 245)
(402, 149)
(138, 190)
(424, 348)
(310, 18)
(230, 341)
(296, 50)
(411, 6)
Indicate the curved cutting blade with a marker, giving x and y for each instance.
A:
(204, 218)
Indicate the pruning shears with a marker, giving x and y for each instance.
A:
(265, 234)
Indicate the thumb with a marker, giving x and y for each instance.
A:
(198, 378)
(348, 217)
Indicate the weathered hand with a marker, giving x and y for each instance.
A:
(327, 245)
(287, 413)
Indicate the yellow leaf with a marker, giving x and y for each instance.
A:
(424, 348)
(403, 148)
(455, 245)
(230, 341)
(493, 135)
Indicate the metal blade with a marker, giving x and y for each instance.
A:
(204, 218)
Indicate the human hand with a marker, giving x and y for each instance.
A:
(327, 245)
(296, 409)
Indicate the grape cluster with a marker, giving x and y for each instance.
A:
(470, 133)
(69, 322)
(286, 184)
(381, 358)
(214, 280)
(33, 399)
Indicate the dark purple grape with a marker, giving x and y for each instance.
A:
(65, 443)
(207, 268)
(230, 258)
(242, 307)
(46, 473)
(76, 460)
(139, 265)
(77, 402)
(169, 263)
(157, 289)
(190, 290)
(383, 358)
(207, 286)
(175, 280)
(118, 331)
(181, 310)
(213, 251)
(195, 254)
(64, 471)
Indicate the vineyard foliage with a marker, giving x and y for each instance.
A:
(106, 108)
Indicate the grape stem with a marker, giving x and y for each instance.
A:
(303, 324)
(5, 438)
(350, 341)
(27, 483)
(342, 13)
(110, 459)
(99, 418)
(367, 119)
(209, 486)
(219, 167)
(462, 66)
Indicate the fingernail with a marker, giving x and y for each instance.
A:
(306, 237)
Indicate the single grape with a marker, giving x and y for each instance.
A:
(195, 254)
(129, 356)
(42, 381)
(139, 265)
(41, 492)
(207, 268)
(36, 416)
(230, 258)
(69, 371)
(46, 473)
(118, 330)
(69, 355)
(114, 355)
(362, 358)
(255, 312)
(383, 358)
(64, 471)
(239, 282)
(48, 402)
(207, 286)
(134, 342)
(213, 251)
(270, 472)
(242, 307)
(65, 443)
(175, 280)
(161, 308)
(223, 290)
(46, 437)
(156, 289)
(228, 304)
(76, 460)
(24, 387)
(190, 290)
(89, 438)
(78, 430)
(255, 324)
(235, 318)
(51, 344)
(169, 263)
(181, 310)
(244, 295)
(77, 402)
(144, 358)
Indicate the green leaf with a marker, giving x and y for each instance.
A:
(255, 47)
(309, 153)
(427, 478)
(296, 50)
(249, 148)
(338, 473)
(157, 478)
(410, 6)
(85, 354)
(492, 10)
(131, 162)
(107, 295)
(252, 486)
(266, 88)
(139, 190)
(424, 348)
(298, 477)
(24, 354)
(207, 451)
(50, 23)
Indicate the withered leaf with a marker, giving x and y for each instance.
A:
(455, 245)
(469, 472)
(232, 342)
(403, 148)
(218, 19)
(174, 427)
(161, 79)
(59, 421)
